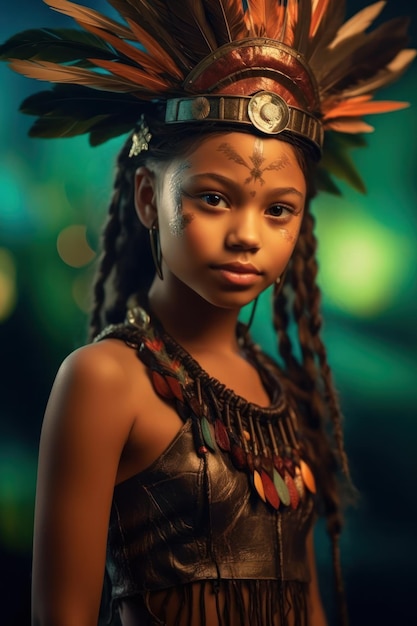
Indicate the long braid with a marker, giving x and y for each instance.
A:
(125, 266)
(315, 323)
(110, 233)
(314, 375)
(281, 321)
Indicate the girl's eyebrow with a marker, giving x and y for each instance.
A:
(225, 180)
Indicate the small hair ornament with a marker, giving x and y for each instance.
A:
(280, 66)
(140, 138)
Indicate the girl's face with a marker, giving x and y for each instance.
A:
(229, 214)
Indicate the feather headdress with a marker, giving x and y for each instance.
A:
(291, 66)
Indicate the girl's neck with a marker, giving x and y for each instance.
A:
(193, 322)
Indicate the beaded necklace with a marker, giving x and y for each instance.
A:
(263, 442)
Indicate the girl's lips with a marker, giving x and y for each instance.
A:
(238, 273)
(238, 268)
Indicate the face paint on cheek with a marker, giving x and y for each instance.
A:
(287, 235)
(178, 221)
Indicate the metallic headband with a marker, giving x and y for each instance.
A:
(266, 111)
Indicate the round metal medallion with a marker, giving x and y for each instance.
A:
(200, 108)
(268, 112)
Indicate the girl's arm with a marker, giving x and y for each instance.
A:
(317, 614)
(86, 425)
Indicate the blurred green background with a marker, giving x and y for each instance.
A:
(54, 197)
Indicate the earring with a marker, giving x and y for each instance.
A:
(278, 280)
(156, 248)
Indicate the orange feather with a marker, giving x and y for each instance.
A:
(138, 78)
(318, 12)
(149, 63)
(55, 73)
(88, 16)
(352, 126)
(155, 50)
(356, 107)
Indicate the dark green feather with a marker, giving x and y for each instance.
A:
(59, 45)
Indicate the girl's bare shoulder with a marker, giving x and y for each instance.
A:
(109, 364)
(97, 384)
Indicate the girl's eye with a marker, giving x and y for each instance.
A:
(278, 210)
(213, 199)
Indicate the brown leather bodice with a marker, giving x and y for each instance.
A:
(163, 532)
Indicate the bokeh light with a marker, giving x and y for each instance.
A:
(73, 247)
(8, 290)
(363, 264)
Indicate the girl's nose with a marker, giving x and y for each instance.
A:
(243, 232)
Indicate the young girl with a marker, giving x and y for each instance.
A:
(175, 455)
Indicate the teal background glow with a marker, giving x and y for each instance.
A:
(368, 260)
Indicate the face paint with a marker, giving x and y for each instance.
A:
(257, 159)
(286, 235)
(178, 221)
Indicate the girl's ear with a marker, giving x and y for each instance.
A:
(145, 196)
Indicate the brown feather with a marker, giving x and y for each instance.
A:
(153, 47)
(88, 16)
(153, 18)
(141, 58)
(359, 22)
(54, 73)
(325, 31)
(302, 26)
(384, 77)
(361, 57)
(193, 24)
(137, 77)
(227, 19)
